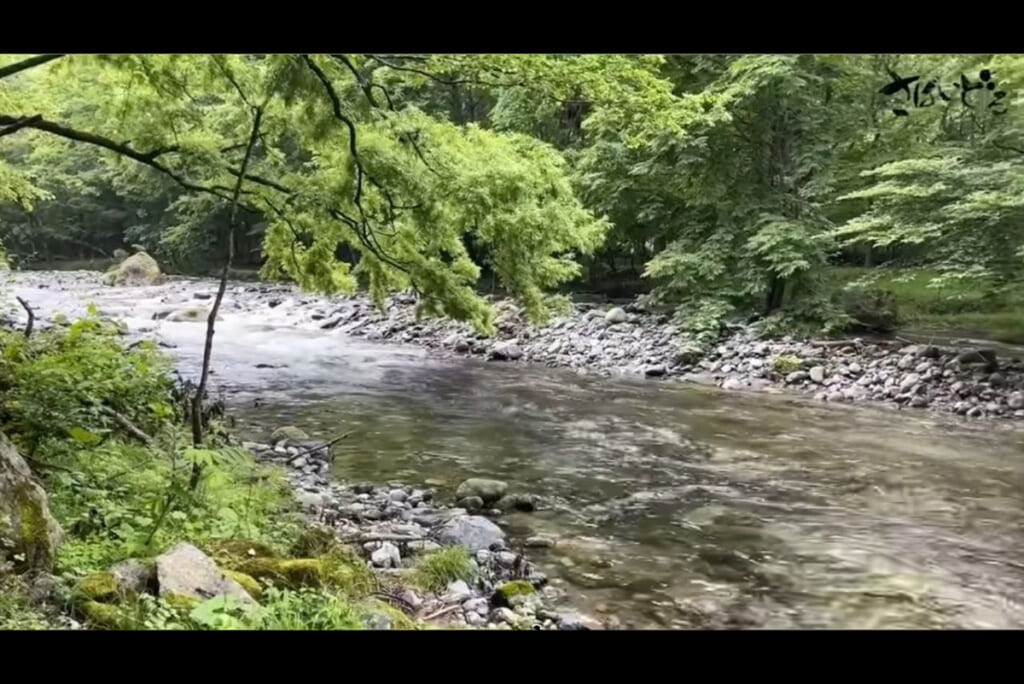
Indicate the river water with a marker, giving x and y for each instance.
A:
(676, 506)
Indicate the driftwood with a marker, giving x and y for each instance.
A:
(31, 316)
(127, 425)
(363, 538)
(311, 450)
(443, 611)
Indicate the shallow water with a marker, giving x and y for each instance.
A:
(676, 506)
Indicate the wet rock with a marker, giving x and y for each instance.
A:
(1016, 400)
(506, 351)
(539, 542)
(816, 374)
(655, 371)
(516, 502)
(734, 384)
(185, 571)
(488, 490)
(471, 503)
(288, 433)
(471, 531)
(137, 270)
(797, 376)
(190, 314)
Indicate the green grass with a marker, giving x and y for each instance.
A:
(436, 570)
(972, 308)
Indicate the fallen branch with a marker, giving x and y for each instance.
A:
(443, 611)
(311, 450)
(127, 425)
(31, 316)
(363, 538)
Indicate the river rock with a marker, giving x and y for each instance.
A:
(387, 556)
(137, 270)
(471, 503)
(516, 502)
(134, 576)
(471, 531)
(539, 542)
(797, 376)
(908, 382)
(288, 433)
(984, 357)
(457, 592)
(1016, 400)
(487, 490)
(190, 314)
(816, 374)
(186, 571)
(506, 351)
(655, 371)
(29, 534)
(616, 315)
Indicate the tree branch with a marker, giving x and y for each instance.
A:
(24, 64)
(19, 124)
(31, 316)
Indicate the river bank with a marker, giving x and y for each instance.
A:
(963, 379)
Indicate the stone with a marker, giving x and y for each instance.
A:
(568, 621)
(488, 490)
(29, 534)
(816, 374)
(1016, 400)
(505, 616)
(908, 382)
(506, 559)
(733, 384)
(471, 531)
(925, 351)
(137, 270)
(481, 606)
(420, 546)
(516, 502)
(539, 542)
(187, 572)
(387, 556)
(457, 592)
(134, 575)
(655, 371)
(377, 621)
(471, 503)
(996, 380)
(923, 367)
(986, 357)
(288, 433)
(975, 412)
(462, 346)
(616, 315)
(919, 401)
(189, 314)
(797, 376)
(506, 351)
(398, 495)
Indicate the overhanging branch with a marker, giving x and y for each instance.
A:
(25, 64)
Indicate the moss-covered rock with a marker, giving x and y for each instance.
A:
(29, 533)
(316, 540)
(100, 587)
(292, 572)
(101, 615)
(512, 593)
(248, 582)
(185, 570)
(288, 433)
(110, 277)
(138, 269)
(190, 314)
(233, 552)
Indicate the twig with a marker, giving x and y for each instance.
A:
(127, 425)
(401, 602)
(43, 464)
(318, 447)
(443, 611)
(363, 538)
(31, 316)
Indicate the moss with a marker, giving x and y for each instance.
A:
(399, 620)
(234, 552)
(436, 570)
(102, 615)
(99, 587)
(181, 601)
(317, 540)
(248, 582)
(787, 364)
(510, 590)
(292, 572)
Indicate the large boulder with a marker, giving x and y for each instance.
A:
(138, 269)
(185, 572)
(29, 534)
(489, 491)
(473, 532)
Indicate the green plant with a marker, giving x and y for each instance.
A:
(436, 570)
(787, 364)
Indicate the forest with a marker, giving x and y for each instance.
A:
(809, 196)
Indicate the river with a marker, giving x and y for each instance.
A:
(676, 506)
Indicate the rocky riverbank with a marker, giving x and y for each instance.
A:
(965, 380)
(395, 526)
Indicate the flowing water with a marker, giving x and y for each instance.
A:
(675, 506)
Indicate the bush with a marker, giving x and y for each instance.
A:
(870, 309)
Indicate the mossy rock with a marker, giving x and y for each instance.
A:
(190, 314)
(248, 582)
(29, 534)
(787, 364)
(110, 277)
(181, 601)
(317, 540)
(292, 572)
(99, 587)
(509, 591)
(120, 254)
(138, 269)
(232, 552)
(288, 433)
(102, 615)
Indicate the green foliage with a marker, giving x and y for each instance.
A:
(436, 570)
(787, 364)
(17, 611)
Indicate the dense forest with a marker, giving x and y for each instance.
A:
(808, 194)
